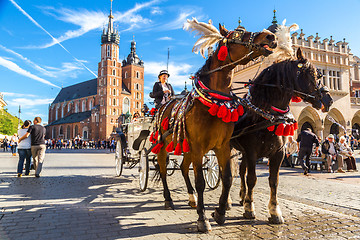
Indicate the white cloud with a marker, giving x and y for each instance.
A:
(29, 102)
(179, 72)
(165, 38)
(15, 68)
(156, 11)
(10, 94)
(179, 21)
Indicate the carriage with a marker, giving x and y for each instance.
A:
(133, 149)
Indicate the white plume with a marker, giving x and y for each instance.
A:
(284, 47)
(209, 35)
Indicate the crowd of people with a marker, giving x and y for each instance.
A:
(335, 152)
(79, 143)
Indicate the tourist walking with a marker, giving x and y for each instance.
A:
(38, 147)
(24, 150)
(13, 143)
(5, 144)
(306, 140)
(331, 149)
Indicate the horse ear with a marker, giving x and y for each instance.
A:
(223, 31)
(299, 55)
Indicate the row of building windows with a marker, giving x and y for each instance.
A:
(332, 79)
(84, 108)
(67, 135)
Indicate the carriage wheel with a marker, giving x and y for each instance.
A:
(143, 170)
(119, 159)
(211, 170)
(171, 164)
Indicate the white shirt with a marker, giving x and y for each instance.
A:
(332, 148)
(166, 95)
(25, 143)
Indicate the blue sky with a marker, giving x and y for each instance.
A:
(33, 66)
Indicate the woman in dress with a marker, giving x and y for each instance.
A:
(162, 90)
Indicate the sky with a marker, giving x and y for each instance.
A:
(48, 44)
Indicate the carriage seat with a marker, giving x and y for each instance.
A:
(142, 136)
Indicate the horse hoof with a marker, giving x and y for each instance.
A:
(276, 219)
(192, 204)
(203, 226)
(169, 205)
(228, 206)
(249, 215)
(220, 219)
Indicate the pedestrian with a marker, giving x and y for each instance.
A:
(5, 143)
(24, 150)
(13, 143)
(352, 141)
(162, 90)
(348, 155)
(290, 150)
(331, 149)
(306, 140)
(38, 147)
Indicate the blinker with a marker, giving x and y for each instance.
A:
(300, 65)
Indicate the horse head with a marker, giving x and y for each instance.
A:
(310, 87)
(239, 41)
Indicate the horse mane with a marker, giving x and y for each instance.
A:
(281, 74)
(209, 35)
(205, 78)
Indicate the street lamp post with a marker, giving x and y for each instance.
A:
(19, 117)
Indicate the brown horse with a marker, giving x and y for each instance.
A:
(255, 136)
(208, 130)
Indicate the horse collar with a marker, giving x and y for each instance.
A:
(280, 110)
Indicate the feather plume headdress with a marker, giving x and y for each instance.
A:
(284, 48)
(209, 35)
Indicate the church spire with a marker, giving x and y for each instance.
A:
(274, 21)
(111, 35)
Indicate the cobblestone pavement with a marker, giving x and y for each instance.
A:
(78, 197)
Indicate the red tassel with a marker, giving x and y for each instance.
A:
(271, 128)
(186, 147)
(156, 136)
(240, 110)
(152, 137)
(234, 116)
(292, 130)
(153, 111)
(177, 149)
(296, 99)
(227, 118)
(295, 126)
(157, 148)
(170, 147)
(287, 130)
(223, 52)
(214, 109)
(222, 111)
(165, 124)
(280, 130)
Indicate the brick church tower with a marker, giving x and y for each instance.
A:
(109, 80)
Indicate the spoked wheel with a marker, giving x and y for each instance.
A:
(143, 170)
(211, 170)
(119, 159)
(171, 165)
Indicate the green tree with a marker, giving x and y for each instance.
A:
(8, 123)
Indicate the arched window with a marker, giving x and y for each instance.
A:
(68, 132)
(137, 104)
(76, 131)
(69, 107)
(114, 81)
(137, 75)
(114, 63)
(114, 111)
(61, 132)
(137, 95)
(126, 105)
(62, 111)
(53, 135)
(114, 92)
(85, 132)
(125, 75)
(91, 104)
(108, 51)
(83, 106)
(114, 72)
(56, 113)
(76, 107)
(114, 102)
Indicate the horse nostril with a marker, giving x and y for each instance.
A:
(270, 37)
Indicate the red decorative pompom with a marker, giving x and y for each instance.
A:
(214, 109)
(157, 148)
(271, 128)
(287, 130)
(295, 126)
(165, 123)
(296, 99)
(234, 116)
(186, 147)
(152, 140)
(280, 130)
(222, 111)
(292, 130)
(227, 118)
(170, 147)
(156, 136)
(223, 52)
(177, 149)
(153, 111)
(240, 110)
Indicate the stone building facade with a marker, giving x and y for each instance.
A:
(2, 101)
(340, 74)
(91, 109)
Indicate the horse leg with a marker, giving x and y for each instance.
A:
(274, 208)
(223, 156)
(250, 182)
(242, 172)
(185, 172)
(161, 159)
(203, 224)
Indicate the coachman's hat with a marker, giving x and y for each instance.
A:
(163, 72)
